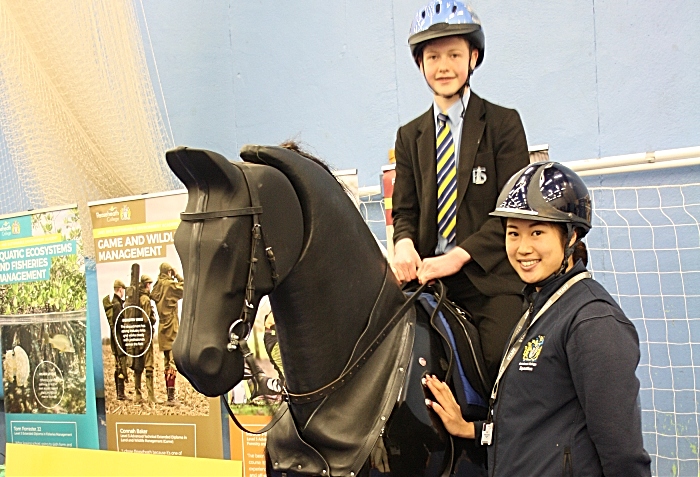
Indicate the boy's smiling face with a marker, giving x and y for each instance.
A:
(445, 65)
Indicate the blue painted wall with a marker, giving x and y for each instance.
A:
(590, 78)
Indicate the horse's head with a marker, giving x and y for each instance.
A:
(235, 212)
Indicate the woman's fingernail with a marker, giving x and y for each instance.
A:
(423, 381)
(428, 403)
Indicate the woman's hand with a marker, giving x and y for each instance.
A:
(447, 408)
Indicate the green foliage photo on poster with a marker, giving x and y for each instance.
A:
(65, 288)
(44, 321)
(44, 366)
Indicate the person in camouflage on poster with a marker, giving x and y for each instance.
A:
(113, 307)
(167, 291)
(145, 361)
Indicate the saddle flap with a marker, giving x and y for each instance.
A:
(462, 341)
(289, 451)
(346, 425)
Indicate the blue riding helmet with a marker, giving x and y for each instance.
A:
(441, 18)
(547, 192)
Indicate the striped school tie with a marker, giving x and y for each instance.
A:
(446, 180)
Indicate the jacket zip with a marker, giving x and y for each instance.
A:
(495, 427)
(567, 463)
(495, 440)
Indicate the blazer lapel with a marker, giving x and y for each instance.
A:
(425, 143)
(472, 130)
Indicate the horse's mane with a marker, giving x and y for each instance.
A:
(295, 146)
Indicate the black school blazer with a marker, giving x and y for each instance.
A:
(493, 140)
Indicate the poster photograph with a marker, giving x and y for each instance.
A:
(150, 407)
(43, 327)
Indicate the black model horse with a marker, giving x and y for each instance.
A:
(354, 350)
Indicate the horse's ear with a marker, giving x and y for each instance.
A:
(267, 155)
(197, 168)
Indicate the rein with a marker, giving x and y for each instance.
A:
(355, 366)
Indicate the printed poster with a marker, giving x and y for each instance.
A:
(48, 383)
(249, 449)
(350, 181)
(150, 408)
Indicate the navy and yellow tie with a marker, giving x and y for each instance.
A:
(446, 180)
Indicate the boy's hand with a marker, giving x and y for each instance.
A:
(406, 260)
(443, 265)
(447, 409)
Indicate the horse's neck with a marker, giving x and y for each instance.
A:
(323, 306)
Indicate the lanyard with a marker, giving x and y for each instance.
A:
(517, 337)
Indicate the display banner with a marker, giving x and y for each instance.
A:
(349, 179)
(150, 408)
(249, 449)
(48, 385)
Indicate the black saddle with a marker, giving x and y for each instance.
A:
(313, 447)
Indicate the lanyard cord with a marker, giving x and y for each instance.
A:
(518, 335)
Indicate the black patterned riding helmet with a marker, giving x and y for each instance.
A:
(547, 192)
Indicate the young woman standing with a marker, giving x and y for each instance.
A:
(565, 400)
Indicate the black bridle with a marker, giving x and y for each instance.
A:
(237, 337)
(246, 317)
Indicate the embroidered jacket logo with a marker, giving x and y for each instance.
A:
(531, 352)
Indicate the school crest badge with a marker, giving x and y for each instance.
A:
(531, 352)
(125, 213)
(479, 175)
